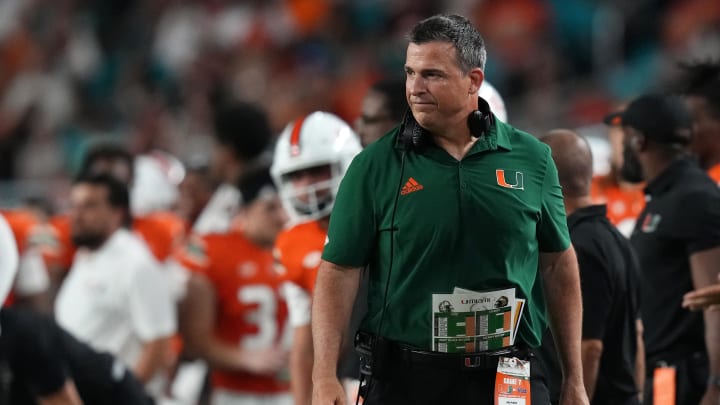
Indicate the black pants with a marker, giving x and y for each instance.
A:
(691, 377)
(423, 384)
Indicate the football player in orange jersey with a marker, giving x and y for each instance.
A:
(311, 157)
(624, 200)
(701, 86)
(236, 319)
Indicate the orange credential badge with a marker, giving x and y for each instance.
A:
(664, 386)
(512, 382)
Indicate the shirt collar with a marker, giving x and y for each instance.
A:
(677, 168)
(497, 137)
(583, 213)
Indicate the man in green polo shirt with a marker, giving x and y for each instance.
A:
(451, 198)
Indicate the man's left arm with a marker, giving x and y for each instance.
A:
(154, 319)
(705, 268)
(561, 280)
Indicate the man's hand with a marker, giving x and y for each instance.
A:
(573, 393)
(264, 361)
(702, 298)
(328, 391)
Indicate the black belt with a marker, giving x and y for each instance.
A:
(385, 351)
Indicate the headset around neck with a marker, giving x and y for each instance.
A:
(416, 138)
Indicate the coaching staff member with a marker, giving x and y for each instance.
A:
(609, 277)
(677, 240)
(451, 198)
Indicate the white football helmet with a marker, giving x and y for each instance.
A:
(490, 94)
(155, 188)
(319, 139)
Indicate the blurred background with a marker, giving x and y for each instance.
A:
(148, 73)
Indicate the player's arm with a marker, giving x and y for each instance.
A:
(198, 333)
(705, 269)
(335, 291)
(67, 395)
(301, 352)
(561, 280)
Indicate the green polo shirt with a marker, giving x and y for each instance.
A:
(478, 224)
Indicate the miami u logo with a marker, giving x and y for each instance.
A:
(500, 175)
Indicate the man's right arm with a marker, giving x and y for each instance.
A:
(335, 290)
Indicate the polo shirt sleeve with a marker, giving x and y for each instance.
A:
(152, 308)
(351, 233)
(701, 225)
(596, 288)
(552, 231)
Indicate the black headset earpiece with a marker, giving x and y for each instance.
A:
(415, 138)
(412, 136)
(481, 120)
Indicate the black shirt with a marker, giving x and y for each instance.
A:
(609, 278)
(682, 217)
(37, 357)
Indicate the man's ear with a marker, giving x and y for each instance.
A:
(476, 76)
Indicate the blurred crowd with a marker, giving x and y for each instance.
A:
(147, 73)
(147, 98)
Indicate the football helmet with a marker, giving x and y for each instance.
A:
(314, 141)
(490, 94)
(155, 188)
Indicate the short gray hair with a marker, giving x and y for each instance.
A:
(457, 30)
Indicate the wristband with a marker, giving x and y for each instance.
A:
(714, 380)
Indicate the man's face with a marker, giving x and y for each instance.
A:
(92, 218)
(436, 88)
(374, 120)
(194, 192)
(631, 170)
(263, 219)
(302, 179)
(706, 127)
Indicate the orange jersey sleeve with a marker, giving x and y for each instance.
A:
(62, 257)
(193, 254)
(299, 250)
(714, 173)
(251, 313)
(22, 223)
(161, 231)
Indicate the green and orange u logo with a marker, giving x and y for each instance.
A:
(500, 175)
